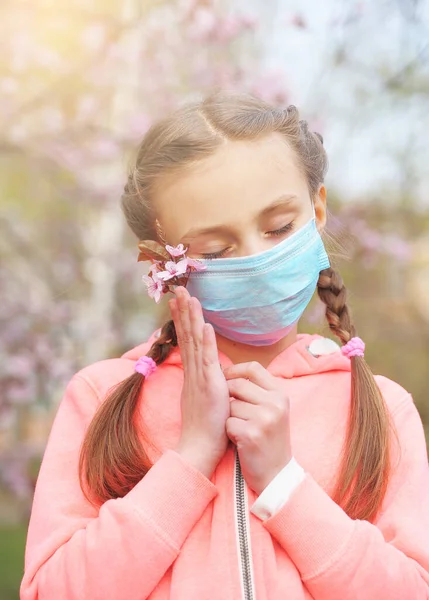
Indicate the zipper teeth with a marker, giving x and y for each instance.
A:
(245, 559)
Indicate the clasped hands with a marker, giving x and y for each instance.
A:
(243, 403)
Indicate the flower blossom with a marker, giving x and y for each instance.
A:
(155, 286)
(179, 250)
(154, 269)
(164, 275)
(173, 269)
(196, 264)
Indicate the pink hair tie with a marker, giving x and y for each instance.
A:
(355, 347)
(145, 365)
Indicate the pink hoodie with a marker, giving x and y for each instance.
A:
(178, 535)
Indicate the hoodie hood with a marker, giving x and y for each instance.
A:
(309, 354)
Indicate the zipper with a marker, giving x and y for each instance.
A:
(243, 529)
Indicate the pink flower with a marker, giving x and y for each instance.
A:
(154, 268)
(196, 265)
(155, 286)
(179, 250)
(173, 269)
(298, 21)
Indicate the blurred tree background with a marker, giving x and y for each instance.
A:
(81, 83)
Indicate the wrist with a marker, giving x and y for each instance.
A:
(197, 458)
(269, 476)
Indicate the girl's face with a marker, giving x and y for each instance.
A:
(244, 199)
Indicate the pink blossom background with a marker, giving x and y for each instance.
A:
(79, 88)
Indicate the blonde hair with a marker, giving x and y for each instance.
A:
(190, 134)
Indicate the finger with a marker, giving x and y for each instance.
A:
(197, 327)
(187, 344)
(210, 352)
(253, 371)
(243, 410)
(247, 391)
(236, 429)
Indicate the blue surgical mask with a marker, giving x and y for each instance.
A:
(258, 299)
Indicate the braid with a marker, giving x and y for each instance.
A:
(161, 349)
(304, 126)
(319, 136)
(112, 459)
(365, 466)
(308, 145)
(333, 293)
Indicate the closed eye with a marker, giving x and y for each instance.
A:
(276, 232)
(285, 229)
(216, 254)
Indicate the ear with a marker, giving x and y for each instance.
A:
(320, 208)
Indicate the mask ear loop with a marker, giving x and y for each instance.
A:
(314, 210)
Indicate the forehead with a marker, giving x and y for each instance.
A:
(238, 181)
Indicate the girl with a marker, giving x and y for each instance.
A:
(229, 457)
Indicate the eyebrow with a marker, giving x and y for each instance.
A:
(282, 201)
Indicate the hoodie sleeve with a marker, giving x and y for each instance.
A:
(121, 551)
(344, 559)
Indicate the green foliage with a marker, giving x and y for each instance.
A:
(12, 543)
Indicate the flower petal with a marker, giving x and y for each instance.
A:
(165, 275)
(176, 251)
(196, 264)
(158, 295)
(181, 266)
